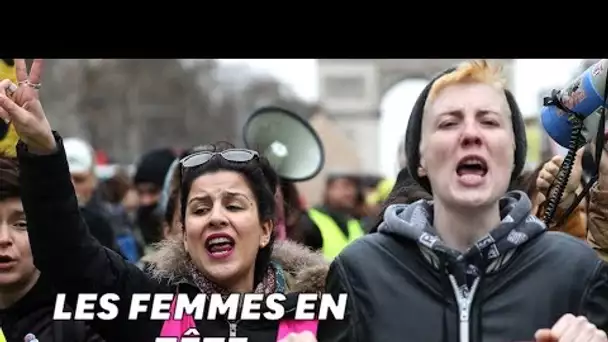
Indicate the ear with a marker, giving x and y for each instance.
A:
(185, 238)
(267, 228)
(421, 171)
(422, 168)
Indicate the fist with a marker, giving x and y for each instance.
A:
(306, 336)
(571, 329)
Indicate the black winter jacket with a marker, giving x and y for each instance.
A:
(405, 285)
(62, 246)
(33, 314)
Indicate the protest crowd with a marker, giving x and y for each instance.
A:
(457, 248)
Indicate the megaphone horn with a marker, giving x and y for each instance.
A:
(582, 97)
(290, 144)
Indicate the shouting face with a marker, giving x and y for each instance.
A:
(467, 146)
(223, 232)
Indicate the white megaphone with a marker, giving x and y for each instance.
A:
(583, 96)
(290, 144)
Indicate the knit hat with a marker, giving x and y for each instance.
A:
(153, 167)
(414, 127)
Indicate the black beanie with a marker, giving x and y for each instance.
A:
(153, 167)
(414, 127)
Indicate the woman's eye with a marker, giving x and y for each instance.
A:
(233, 207)
(446, 124)
(22, 225)
(490, 122)
(201, 211)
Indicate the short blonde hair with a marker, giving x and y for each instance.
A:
(477, 71)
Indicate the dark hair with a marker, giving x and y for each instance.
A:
(526, 182)
(405, 191)
(292, 208)
(352, 179)
(10, 186)
(174, 187)
(172, 203)
(262, 180)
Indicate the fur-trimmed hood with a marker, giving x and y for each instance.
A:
(305, 270)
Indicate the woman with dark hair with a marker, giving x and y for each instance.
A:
(226, 246)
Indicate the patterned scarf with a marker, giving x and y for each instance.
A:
(517, 227)
(272, 282)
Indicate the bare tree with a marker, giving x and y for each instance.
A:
(127, 107)
(135, 105)
(60, 94)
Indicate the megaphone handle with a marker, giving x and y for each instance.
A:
(555, 194)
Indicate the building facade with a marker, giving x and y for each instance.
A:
(351, 91)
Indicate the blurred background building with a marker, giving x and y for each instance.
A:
(351, 92)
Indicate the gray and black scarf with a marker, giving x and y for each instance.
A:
(517, 226)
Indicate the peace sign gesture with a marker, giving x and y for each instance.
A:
(20, 105)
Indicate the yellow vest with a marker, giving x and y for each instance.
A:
(8, 143)
(333, 237)
(2, 338)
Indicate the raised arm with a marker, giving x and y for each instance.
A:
(61, 244)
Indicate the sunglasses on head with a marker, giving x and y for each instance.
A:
(236, 155)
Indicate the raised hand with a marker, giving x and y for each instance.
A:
(20, 104)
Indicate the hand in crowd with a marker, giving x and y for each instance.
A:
(21, 106)
(571, 329)
(549, 172)
(306, 336)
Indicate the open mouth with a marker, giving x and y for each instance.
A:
(219, 245)
(6, 262)
(472, 166)
(5, 259)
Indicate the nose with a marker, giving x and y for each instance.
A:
(470, 135)
(5, 235)
(217, 217)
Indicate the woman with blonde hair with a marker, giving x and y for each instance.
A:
(472, 264)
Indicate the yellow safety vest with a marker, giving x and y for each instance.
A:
(333, 237)
(2, 338)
